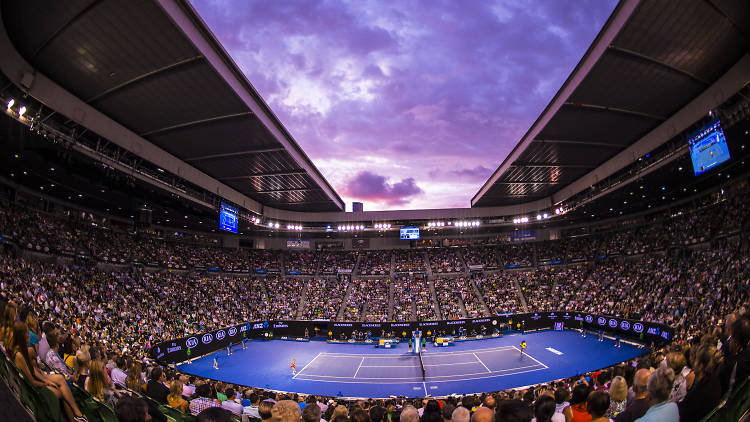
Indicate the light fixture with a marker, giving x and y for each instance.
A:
(21, 111)
(10, 103)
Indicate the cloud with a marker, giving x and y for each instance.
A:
(426, 85)
(374, 187)
(478, 173)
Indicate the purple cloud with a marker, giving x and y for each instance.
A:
(374, 187)
(478, 173)
(407, 87)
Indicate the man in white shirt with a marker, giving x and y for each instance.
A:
(252, 410)
(118, 372)
(231, 402)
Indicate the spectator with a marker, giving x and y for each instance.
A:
(134, 381)
(119, 376)
(618, 393)
(203, 400)
(311, 413)
(409, 414)
(513, 411)
(156, 388)
(483, 414)
(265, 409)
(55, 383)
(577, 411)
(676, 361)
(175, 399)
(214, 414)
(98, 383)
(638, 407)
(286, 411)
(562, 395)
(231, 402)
(597, 405)
(659, 387)
(706, 391)
(252, 409)
(461, 414)
(132, 409)
(544, 410)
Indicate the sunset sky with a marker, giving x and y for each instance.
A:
(406, 104)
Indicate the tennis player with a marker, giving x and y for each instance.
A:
(523, 346)
(294, 366)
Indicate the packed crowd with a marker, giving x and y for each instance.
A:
(375, 263)
(408, 261)
(368, 300)
(499, 293)
(446, 260)
(301, 263)
(450, 307)
(325, 297)
(335, 262)
(412, 299)
(284, 296)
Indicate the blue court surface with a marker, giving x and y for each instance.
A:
(361, 370)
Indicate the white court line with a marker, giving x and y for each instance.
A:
(532, 358)
(413, 366)
(308, 364)
(360, 365)
(425, 389)
(380, 356)
(480, 361)
(432, 376)
(387, 381)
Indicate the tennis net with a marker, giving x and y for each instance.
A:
(421, 365)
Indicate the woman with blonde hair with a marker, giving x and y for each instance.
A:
(7, 319)
(81, 366)
(96, 382)
(134, 381)
(55, 383)
(618, 393)
(174, 398)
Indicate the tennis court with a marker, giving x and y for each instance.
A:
(406, 368)
(360, 370)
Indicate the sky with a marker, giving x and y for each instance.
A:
(406, 104)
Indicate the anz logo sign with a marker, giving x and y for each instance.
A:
(589, 319)
(207, 338)
(638, 327)
(220, 335)
(625, 325)
(191, 342)
(613, 323)
(232, 331)
(601, 320)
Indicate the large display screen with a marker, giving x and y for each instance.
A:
(708, 147)
(228, 218)
(409, 233)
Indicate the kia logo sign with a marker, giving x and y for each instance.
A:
(589, 319)
(613, 323)
(207, 338)
(232, 332)
(625, 325)
(220, 335)
(638, 327)
(191, 342)
(601, 320)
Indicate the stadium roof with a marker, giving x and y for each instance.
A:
(650, 61)
(150, 77)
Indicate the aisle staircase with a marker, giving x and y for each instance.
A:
(521, 297)
(433, 295)
(303, 298)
